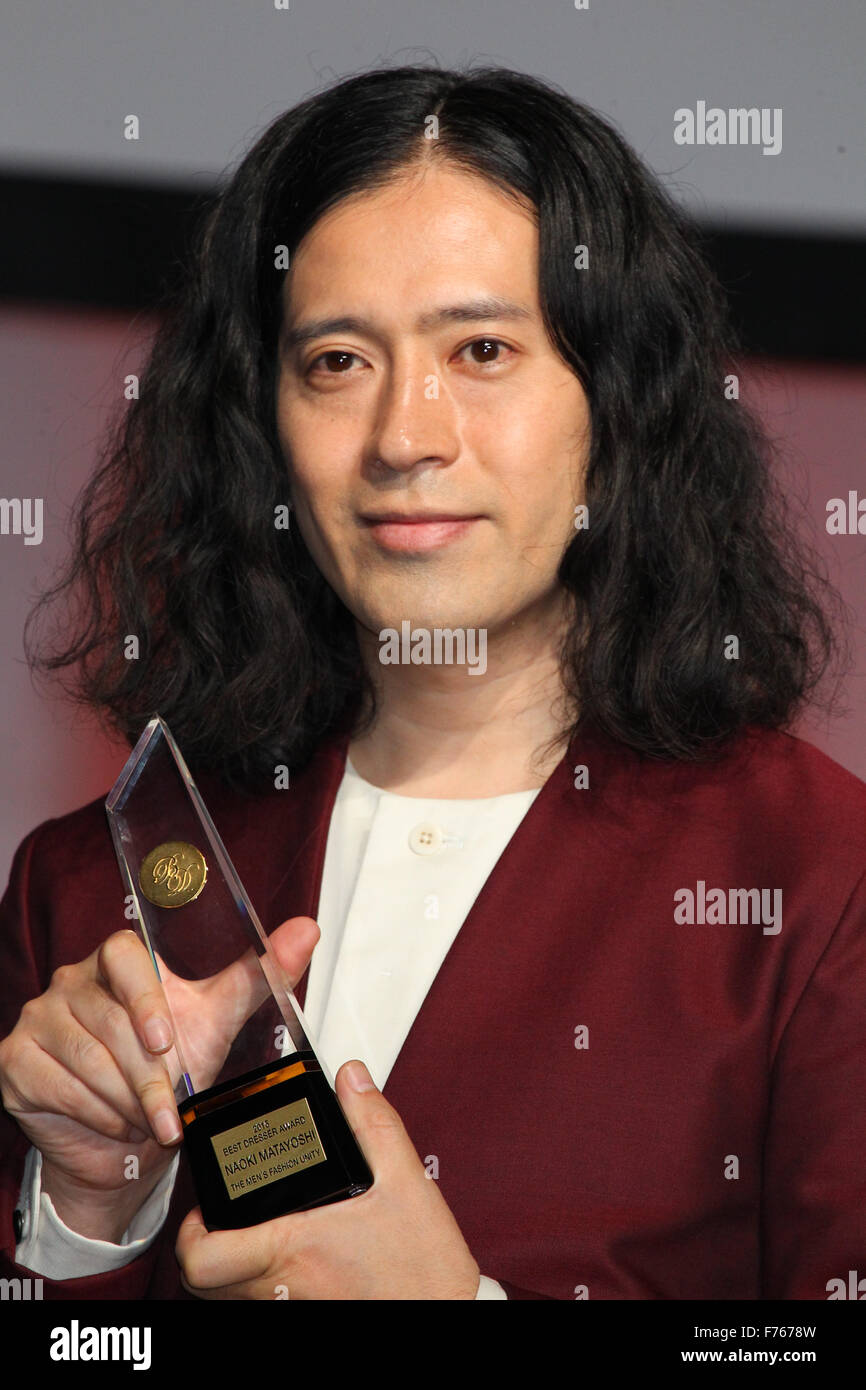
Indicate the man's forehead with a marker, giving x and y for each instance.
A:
(458, 263)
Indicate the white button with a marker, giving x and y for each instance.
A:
(426, 838)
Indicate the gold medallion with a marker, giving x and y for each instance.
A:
(173, 874)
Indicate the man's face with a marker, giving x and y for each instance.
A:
(471, 416)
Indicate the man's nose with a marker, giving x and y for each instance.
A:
(416, 418)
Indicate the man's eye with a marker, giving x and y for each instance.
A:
(334, 354)
(486, 344)
(486, 353)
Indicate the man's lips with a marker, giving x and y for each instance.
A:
(417, 530)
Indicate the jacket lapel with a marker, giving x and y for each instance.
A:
(498, 930)
(299, 835)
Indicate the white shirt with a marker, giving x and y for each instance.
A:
(399, 878)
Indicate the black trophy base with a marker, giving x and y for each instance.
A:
(269, 1143)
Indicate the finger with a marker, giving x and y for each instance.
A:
(146, 1076)
(54, 1090)
(219, 1259)
(68, 1038)
(377, 1127)
(127, 969)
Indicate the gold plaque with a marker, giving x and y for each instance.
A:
(271, 1147)
(173, 874)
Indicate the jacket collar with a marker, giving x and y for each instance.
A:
(305, 819)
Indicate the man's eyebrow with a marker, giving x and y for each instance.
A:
(475, 310)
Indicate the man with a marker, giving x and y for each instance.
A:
(591, 918)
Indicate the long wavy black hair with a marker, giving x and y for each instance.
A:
(244, 648)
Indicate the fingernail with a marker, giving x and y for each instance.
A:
(359, 1077)
(157, 1034)
(166, 1126)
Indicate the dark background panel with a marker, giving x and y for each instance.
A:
(123, 246)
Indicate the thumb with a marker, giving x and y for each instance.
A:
(376, 1125)
(238, 990)
(244, 984)
(293, 942)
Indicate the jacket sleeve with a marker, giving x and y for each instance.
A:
(814, 1179)
(23, 937)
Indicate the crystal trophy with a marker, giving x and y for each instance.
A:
(262, 1127)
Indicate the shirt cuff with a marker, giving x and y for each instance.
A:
(488, 1288)
(48, 1247)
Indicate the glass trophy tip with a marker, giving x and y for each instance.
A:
(154, 730)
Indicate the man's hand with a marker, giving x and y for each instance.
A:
(398, 1240)
(92, 1085)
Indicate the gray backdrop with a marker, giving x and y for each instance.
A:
(204, 76)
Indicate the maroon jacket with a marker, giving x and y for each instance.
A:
(607, 1165)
